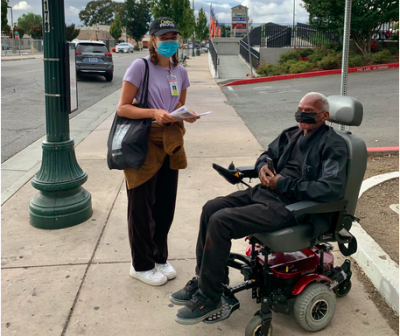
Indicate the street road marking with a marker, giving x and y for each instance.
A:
(18, 73)
(394, 207)
(233, 91)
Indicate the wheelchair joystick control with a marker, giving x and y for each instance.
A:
(231, 166)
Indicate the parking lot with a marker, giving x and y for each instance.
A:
(268, 108)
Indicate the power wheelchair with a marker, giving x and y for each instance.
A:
(287, 271)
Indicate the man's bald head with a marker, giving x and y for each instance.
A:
(314, 102)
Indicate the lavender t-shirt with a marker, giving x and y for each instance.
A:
(160, 96)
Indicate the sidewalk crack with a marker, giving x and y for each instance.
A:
(89, 264)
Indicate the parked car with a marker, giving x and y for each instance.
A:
(124, 47)
(113, 49)
(5, 47)
(94, 58)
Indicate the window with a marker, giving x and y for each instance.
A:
(92, 48)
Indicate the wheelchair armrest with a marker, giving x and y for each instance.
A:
(248, 171)
(311, 207)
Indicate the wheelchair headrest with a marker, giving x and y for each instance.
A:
(345, 110)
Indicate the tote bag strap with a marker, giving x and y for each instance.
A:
(145, 85)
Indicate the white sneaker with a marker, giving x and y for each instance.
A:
(152, 277)
(167, 270)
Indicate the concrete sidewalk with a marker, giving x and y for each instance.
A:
(75, 281)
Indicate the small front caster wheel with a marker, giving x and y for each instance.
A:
(343, 289)
(254, 327)
(315, 307)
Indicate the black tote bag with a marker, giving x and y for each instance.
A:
(127, 141)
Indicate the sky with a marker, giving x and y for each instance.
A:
(260, 11)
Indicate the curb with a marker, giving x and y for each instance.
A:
(383, 150)
(376, 263)
(312, 74)
(18, 59)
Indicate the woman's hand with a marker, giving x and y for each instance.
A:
(163, 117)
(191, 120)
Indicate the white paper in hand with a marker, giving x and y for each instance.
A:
(183, 113)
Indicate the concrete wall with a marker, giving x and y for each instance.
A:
(227, 46)
(271, 55)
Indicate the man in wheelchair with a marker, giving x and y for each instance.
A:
(310, 164)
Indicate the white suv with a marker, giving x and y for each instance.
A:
(124, 48)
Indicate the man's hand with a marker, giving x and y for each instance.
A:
(264, 172)
(268, 178)
(273, 181)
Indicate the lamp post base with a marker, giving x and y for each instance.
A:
(53, 210)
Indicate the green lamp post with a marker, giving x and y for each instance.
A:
(61, 201)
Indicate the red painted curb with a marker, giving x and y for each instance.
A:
(382, 149)
(311, 74)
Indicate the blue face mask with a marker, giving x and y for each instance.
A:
(167, 48)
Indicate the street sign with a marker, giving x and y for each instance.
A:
(46, 20)
(16, 36)
(240, 18)
(17, 33)
(71, 85)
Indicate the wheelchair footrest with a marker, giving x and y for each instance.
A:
(229, 305)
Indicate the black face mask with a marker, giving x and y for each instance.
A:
(306, 117)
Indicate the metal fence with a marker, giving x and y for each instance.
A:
(20, 47)
(214, 56)
(255, 55)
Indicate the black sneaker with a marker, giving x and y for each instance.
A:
(197, 309)
(183, 296)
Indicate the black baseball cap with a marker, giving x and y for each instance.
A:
(163, 25)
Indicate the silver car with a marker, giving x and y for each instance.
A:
(124, 48)
(94, 58)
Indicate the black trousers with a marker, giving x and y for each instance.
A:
(234, 216)
(151, 208)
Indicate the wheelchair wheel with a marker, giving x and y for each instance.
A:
(315, 307)
(253, 328)
(343, 289)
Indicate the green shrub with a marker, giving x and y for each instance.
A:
(136, 47)
(266, 70)
(287, 56)
(316, 56)
(301, 66)
(356, 61)
(329, 62)
(285, 67)
(368, 59)
(381, 57)
(305, 52)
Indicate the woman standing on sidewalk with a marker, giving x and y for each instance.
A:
(152, 189)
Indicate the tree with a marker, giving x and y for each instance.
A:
(201, 26)
(4, 21)
(27, 21)
(179, 10)
(70, 32)
(138, 18)
(36, 32)
(115, 29)
(120, 11)
(367, 17)
(97, 12)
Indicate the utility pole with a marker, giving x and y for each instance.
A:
(248, 42)
(193, 32)
(345, 53)
(61, 201)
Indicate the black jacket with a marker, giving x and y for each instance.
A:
(324, 158)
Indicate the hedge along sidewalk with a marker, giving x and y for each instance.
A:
(311, 74)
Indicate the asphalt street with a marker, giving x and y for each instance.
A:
(268, 108)
(22, 99)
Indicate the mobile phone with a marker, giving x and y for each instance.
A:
(270, 164)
